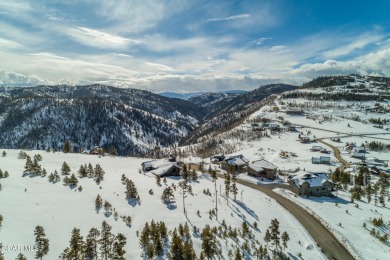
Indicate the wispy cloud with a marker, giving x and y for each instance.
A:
(7, 44)
(277, 48)
(359, 43)
(99, 39)
(261, 40)
(229, 18)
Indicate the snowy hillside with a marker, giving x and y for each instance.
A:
(31, 201)
(133, 121)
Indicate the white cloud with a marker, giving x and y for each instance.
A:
(261, 40)
(277, 48)
(11, 78)
(353, 45)
(229, 18)
(99, 39)
(7, 44)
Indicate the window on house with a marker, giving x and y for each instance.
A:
(323, 189)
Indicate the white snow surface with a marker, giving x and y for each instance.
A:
(27, 202)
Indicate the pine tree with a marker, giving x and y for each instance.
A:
(274, 228)
(285, 239)
(82, 171)
(41, 242)
(189, 252)
(20, 257)
(73, 180)
(245, 229)
(184, 172)
(267, 236)
(167, 195)
(112, 150)
(176, 250)
(66, 148)
(118, 247)
(184, 188)
(209, 243)
(1, 220)
(4, 154)
(131, 190)
(127, 220)
(99, 174)
(105, 241)
(144, 237)
(65, 170)
(1, 252)
(38, 157)
(158, 180)
(91, 249)
(36, 168)
(215, 177)
(77, 246)
(194, 176)
(98, 203)
(107, 207)
(238, 254)
(22, 155)
(28, 165)
(57, 177)
(90, 171)
(227, 187)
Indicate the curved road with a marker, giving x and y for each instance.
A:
(329, 245)
(336, 153)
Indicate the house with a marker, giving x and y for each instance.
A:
(335, 139)
(325, 159)
(320, 160)
(304, 139)
(359, 149)
(315, 160)
(217, 158)
(239, 163)
(350, 146)
(274, 127)
(161, 168)
(316, 148)
(172, 158)
(292, 128)
(295, 112)
(262, 168)
(358, 155)
(96, 150)
(311, 184)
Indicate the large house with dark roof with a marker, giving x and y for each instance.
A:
(262, 168)
(311, 184)
(239, 162)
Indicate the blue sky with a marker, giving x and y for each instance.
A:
(188, 46)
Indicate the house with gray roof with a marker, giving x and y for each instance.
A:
(238, 162)
(311, 184)
(262, 168)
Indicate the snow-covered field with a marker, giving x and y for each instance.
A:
(351, 218)
(30, 201)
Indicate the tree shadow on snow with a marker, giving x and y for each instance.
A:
(171, 205)
(328, 200)
(132, 202)
(248, 210)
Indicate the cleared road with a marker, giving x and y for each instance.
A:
(329, 245)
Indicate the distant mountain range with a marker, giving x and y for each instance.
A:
(137, 121)
(187, 96)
